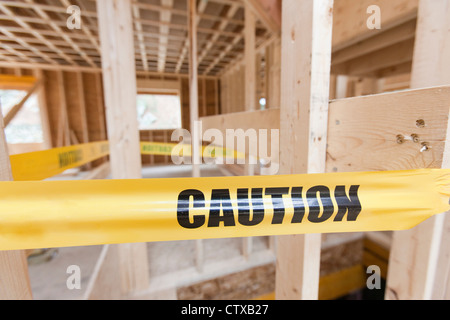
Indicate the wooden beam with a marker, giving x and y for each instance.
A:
(165, 16)
(86, 31)
(62, 34)
(250, 55)
(419, 260)
(350, 19)
(193, 86)
(63, 138)
(119, 83)
(268, 11)
(138, 26)
(35, 33)
(305, 76)
(16, 108)
(250, 90)
(151, 85)
(47, 66)
(370, 63)
(261, 119)
(14, 279)
(224, 21)
(362, 138)
(382, 40)
(185, 49)
(43, 111)
(13, 82)
(82, 108)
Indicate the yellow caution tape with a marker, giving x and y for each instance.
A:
(47, 163)
(158, 148)
(39, 165)
(37, 214)
(178, 149)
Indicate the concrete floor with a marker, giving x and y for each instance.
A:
(167, 260)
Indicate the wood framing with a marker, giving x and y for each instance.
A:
(269, 11)
(250, 57)
(16, 108)
(14, 82)
(350, 19)
(193, 87)
(160, 43)
(222, 56)
(419, 260)
(361, 138)
(119, 82)
(305, 71)
(14, 279)
(194, 110)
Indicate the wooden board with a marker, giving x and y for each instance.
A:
(361, 137)
(14, 278)
(262, 119)
(305, 76)
(419, 261)
(363, 131)
(350, 18)
(119, 83)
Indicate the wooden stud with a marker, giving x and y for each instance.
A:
(250, 91)
(250, 56)
(418, 264)
(46, 132)
(204, 105)
(193, 88)
(63, 138)
(119, 83)
(193, 111)
(216, 97)
(305, 72)
(82, 108)
(14, 279)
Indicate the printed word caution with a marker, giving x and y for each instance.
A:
(317, 204)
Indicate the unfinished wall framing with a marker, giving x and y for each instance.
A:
(339, 92)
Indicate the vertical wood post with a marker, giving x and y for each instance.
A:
(419, 258)
(14, 279)
(193, 110)
(250, 55)
(119, 83)
(193, 87)
(305, 75)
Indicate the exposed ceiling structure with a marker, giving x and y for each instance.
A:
(35, 32)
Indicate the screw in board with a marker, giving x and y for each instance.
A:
(415, 137)
(425, 146)
(420, 123)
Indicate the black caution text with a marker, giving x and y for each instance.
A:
(316, 204)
